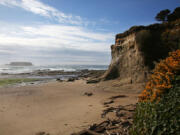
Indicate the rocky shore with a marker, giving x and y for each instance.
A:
(92, 76)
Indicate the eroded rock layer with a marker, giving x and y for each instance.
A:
(136, 51)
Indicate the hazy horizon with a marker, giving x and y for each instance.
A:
(57, 64)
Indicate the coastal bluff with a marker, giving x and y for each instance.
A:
(127, 63)
(136, 51)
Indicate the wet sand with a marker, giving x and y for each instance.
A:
(58, 108)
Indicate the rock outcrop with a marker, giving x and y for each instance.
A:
(20, 64)
(127, 61)
(136, 51)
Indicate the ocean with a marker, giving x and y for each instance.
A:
(6, 69)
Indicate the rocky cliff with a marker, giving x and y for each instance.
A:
(137, 50)
(127, 63)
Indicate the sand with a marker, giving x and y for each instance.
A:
(58, 108)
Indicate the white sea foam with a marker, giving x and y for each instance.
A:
(29, 69)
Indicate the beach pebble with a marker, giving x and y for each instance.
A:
(88, 94)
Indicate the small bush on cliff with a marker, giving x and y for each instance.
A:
(163, 15)
(157, 112)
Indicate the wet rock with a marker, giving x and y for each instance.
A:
(59, 80)
(92, 81)
(71, 79)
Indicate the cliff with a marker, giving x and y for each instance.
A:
(136, 51)
(127, 63)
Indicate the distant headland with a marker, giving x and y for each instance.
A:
(20, 64)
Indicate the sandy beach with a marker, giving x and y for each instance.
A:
(58, 108)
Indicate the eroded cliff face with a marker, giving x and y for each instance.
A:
(127, 62)
(136, 50)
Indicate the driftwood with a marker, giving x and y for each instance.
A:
(117, 126)
(108, 102)
(119, 96)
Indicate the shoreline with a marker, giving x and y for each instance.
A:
(55, 74)
(45, 76)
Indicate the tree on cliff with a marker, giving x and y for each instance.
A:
(175, 15)
(163, 15)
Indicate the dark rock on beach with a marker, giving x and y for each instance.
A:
(88, 94)
(42, 133)
(71, 79)
(59, 80)
(93, 81)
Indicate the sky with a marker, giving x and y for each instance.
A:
(53, 32)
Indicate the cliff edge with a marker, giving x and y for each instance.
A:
(136, 51)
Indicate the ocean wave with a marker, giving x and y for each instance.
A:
(30, 69)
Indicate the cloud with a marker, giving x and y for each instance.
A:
(60, 36)
(37, 7)
(54, 43)
(67, 41)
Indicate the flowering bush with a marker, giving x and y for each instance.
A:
(162, 118)
(162, 78)
(158, 109)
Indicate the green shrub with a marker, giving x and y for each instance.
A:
(159, 118)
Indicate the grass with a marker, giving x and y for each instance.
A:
(4, 82)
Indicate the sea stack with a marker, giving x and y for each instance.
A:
(20, 64)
